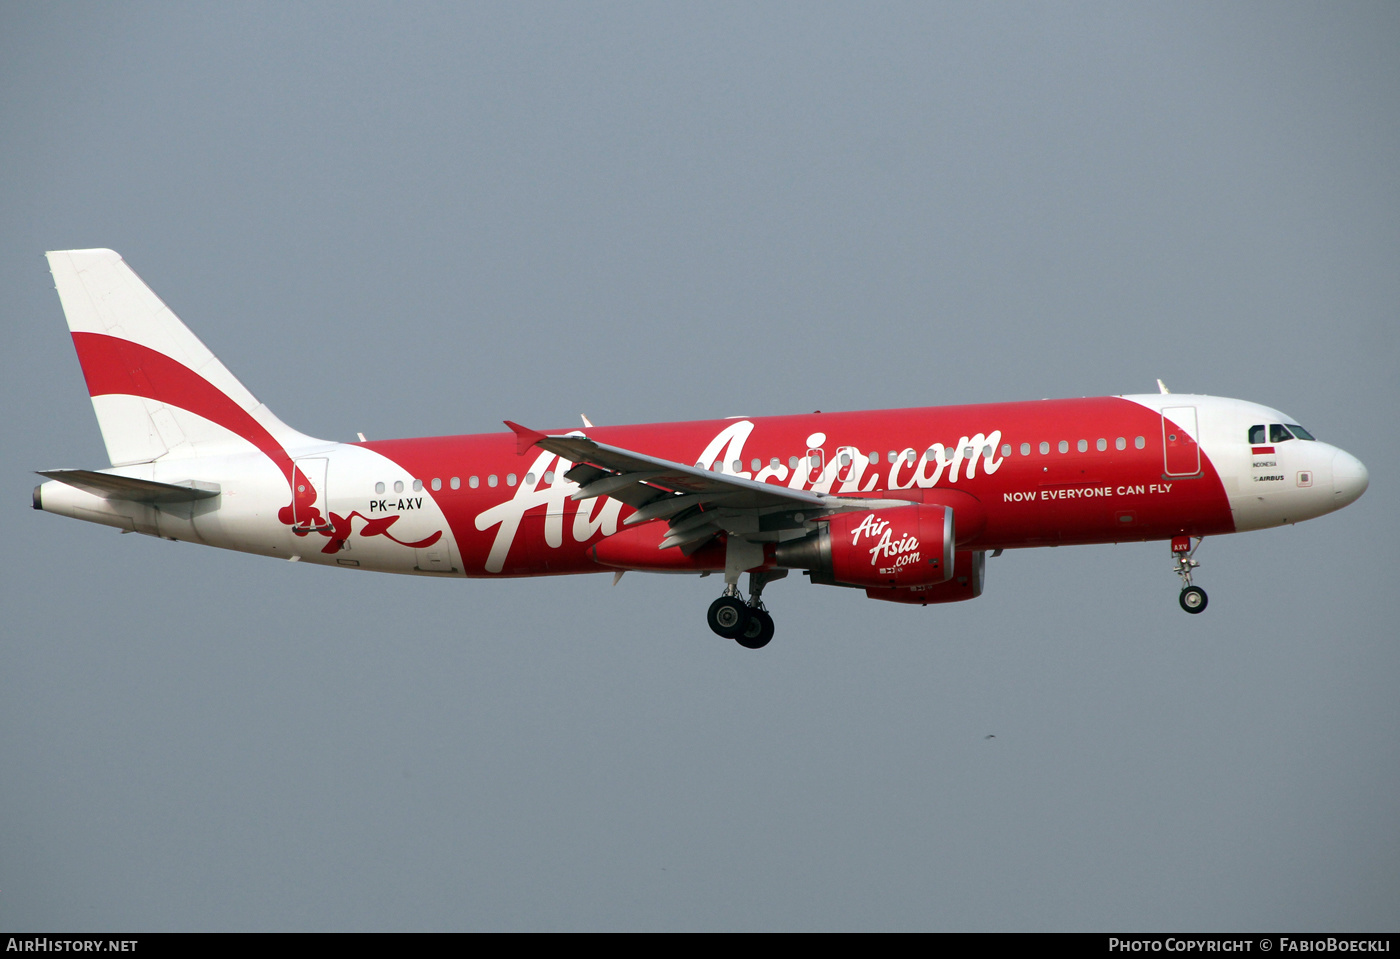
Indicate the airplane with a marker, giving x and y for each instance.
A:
(904, 504)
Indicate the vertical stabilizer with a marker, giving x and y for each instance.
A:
(156, 389)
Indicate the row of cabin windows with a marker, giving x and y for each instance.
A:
(844, 459)
(1101, 444)
(909, 456)
(472, 481)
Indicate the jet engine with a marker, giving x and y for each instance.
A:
(900, 547)
(969, 571)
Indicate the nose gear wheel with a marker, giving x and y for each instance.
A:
(1193, 599)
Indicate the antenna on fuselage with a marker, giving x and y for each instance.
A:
(1163, 387)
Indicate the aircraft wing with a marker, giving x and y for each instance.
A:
(697, 502)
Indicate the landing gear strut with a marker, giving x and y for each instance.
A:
(1193, 599)
(748, 624)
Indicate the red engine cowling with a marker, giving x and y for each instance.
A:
(969, 570)
(898, 547)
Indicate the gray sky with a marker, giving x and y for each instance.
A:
(413, 220)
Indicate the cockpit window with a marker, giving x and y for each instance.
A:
(1257, 434)
(1299, 432)
(1278, 433)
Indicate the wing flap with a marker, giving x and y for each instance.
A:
(633, 494)
(612, 482)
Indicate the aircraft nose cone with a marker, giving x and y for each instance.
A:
(1349, 478)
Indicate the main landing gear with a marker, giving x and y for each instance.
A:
(1193, 599)
(747, 623)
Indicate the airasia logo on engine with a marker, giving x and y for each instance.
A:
(896, 553)
(900, 546)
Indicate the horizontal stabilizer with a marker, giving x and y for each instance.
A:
(110, 486)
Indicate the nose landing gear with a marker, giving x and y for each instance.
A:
(1193, 599)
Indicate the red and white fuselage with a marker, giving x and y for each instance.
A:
(1010, 475)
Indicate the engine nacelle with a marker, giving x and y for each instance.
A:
(902, 546)
(969, 571)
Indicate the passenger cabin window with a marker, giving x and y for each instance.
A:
(1257, 434)
(1278, 433)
